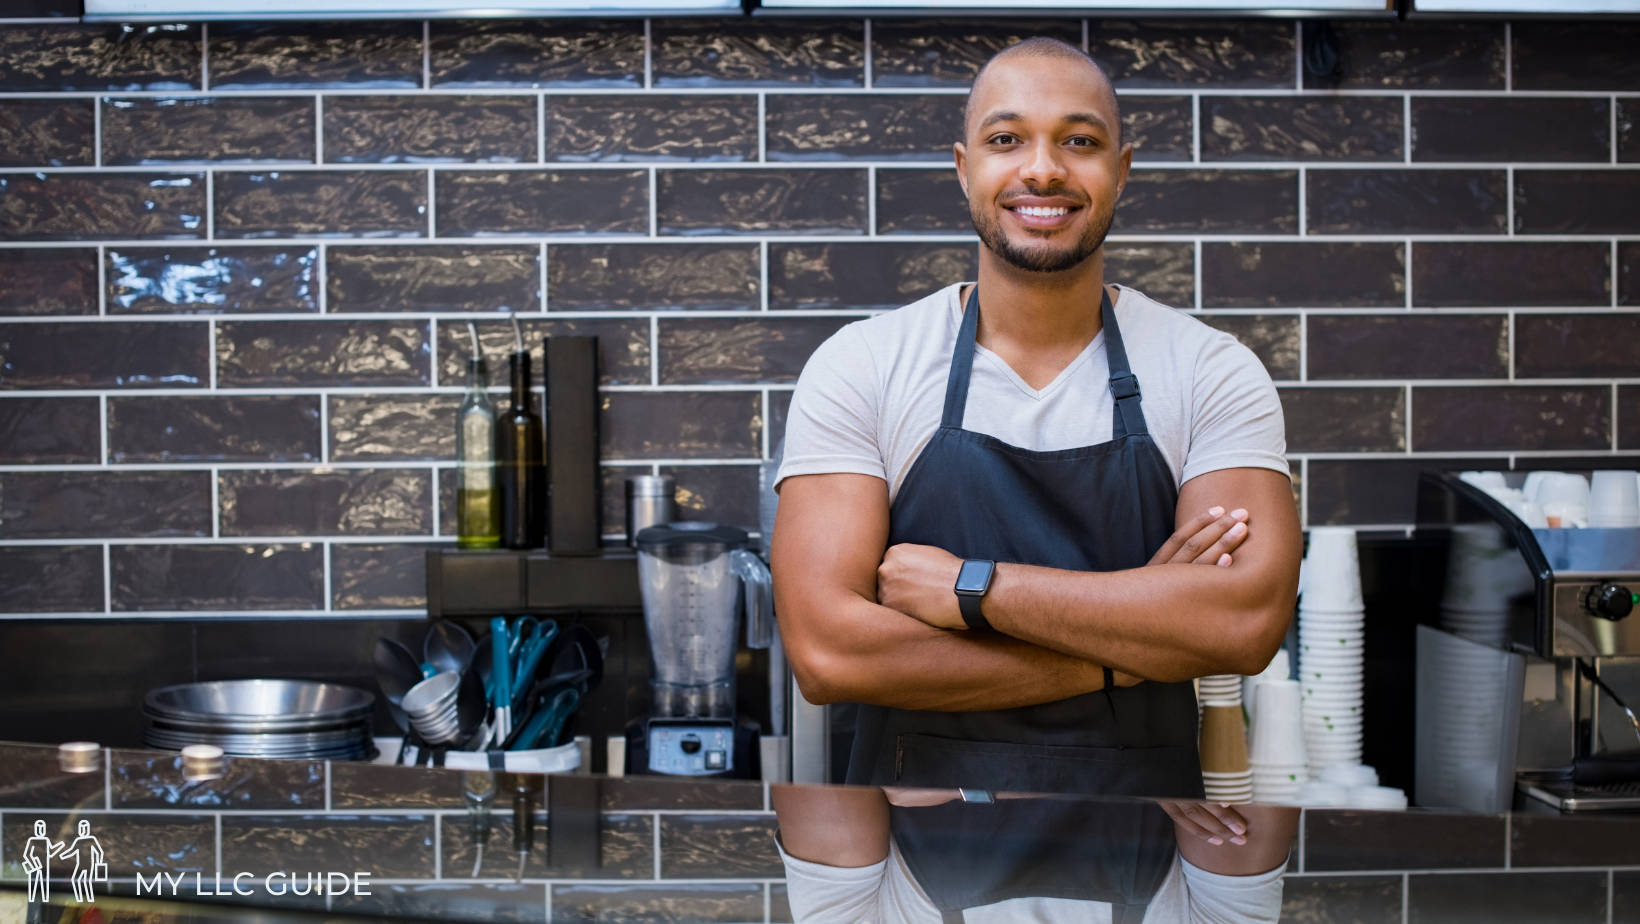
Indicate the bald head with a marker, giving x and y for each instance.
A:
(1042, 47)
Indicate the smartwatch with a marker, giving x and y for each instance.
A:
(972, 582)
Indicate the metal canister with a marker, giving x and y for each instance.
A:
(648, 503)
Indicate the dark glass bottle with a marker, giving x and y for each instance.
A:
(519, 465)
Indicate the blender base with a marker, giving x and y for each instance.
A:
(693, 747)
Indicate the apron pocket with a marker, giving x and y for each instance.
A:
(1001, 766)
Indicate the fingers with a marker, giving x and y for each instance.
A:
(1231, 540)
(1174, 542)
(1212, 822)
(1223, 534)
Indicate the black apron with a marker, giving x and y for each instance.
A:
(1106, 507)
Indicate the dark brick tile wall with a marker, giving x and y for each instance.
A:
(238, 320)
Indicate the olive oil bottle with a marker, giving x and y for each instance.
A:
(478, 511)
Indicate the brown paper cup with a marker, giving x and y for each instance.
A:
(1223, 740)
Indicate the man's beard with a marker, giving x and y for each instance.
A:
(1044, 259)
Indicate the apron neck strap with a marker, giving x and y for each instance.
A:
(1124, 387)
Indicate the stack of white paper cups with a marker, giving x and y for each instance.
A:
(1331, 644)
(1277, 755)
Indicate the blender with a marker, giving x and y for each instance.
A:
(692, 575)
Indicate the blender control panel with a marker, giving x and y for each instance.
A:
(692, 749)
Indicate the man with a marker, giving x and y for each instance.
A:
(37, 853)
(977, 503)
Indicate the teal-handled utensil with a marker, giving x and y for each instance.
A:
(501, 678)
(530, 661)
(545, 728)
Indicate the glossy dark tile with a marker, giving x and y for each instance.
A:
(317, 353)
(735, 351)
(780, 908)
(433, 278)
(146, 780)
(47, 133)
(50, 579)
(689, 425)
(719, 846)
(64, 56)
(1628, 416)
(1576, 202)
(1301, 128)
(388, 846)
(888, 126)
(48, 430)
(1340, 899)
(1208, 202)
(207, 130)
(378, 577)
(353, 502)
(921, 201)
(1625, 897)
(1410, 346)
(1274, 338)
(542, 202)
(1482, 418)
(1348, 840)
(1502, 129)
(1272, 275)
(651, 128)
(764, 53)
(212, 578)
(42, 697)
(536, 53)
(949, 53)
(1407, 202)
(393, 428)
(1561, 841)
(1415, 56)
(33, 778)
(625, 849)
(264, 56)
(703, 903)
(59, 280)
(1189, 53)
(111, 354)
(1528, 898)
(1377, 491)
(623, 348)
(212, 280)
(1486, 274)
(1345, 419)
(61, 504)
(429, 129)
(633, 793)
(1575, 55)
(605, 277)
(92, 206)
(1165, 272)
(1159, 127)
(1628, 130)
(1628, 273)
(325, 203)
(791, 201)
(867, 276)
(364, 786)
(1576, 345)
(274, 428)
(132, 842)
(449, 901)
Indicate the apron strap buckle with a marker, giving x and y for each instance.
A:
(1124, 386)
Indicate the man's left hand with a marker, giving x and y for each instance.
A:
(920, 581)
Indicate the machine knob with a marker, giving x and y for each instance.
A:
(1609, 601)
(690, 745)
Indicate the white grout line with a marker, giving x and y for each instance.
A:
(818, 166)
(871, 201)
(654, 350)
(763, 411)
(1508, 836)
(1198, 268)
(1613, 129)
(763, 275)
(1406, 129)
(1303, 200)
(762, 128)
(102, 277)
(1509, 201)
(648, 55)
(540, 129)
(1303, 346)
(210, 350)
(655, 831)
(542, 294)
(1614, 268)
(108, 579)
(654, 205)
(324, 429)
(426, 55)
(1087, 37)
(1298, 56)
(1509, 331)
(204, 57)
(210, 205)
(102, 429)
(438, 847)
(327, 786)
(1610, 875)
(1195, 128)
(216, 503)
(97, 132)
(1407, 271)
(217, 819)
(868, 65)
(108, 779)
(1406, 886)
(1406, 425)
(318, 129)
(1508, 58)
(324, 551)
(432, 208)
(1130, 92)
(322, 277)
(1616, 418)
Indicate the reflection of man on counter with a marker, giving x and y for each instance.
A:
(986, 535)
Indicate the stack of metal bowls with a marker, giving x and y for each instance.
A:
(286, 719)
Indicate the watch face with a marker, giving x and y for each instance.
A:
(975, 576)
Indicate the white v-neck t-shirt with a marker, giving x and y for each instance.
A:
(871, 396)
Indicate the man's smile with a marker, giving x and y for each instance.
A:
(1042, 217)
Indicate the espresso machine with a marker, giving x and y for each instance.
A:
(696, 580)
(1528, 659)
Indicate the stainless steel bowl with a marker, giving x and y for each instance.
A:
(250, 706)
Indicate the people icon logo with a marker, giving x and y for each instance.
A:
(85, 851)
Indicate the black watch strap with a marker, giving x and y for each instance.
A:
(970, 606)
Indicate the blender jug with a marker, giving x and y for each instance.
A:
(690, 575)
